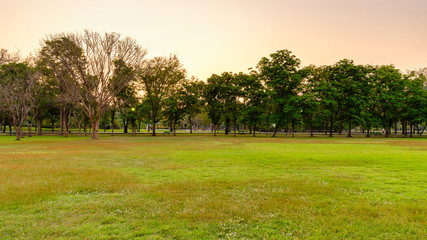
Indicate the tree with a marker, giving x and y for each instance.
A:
(369, 113)
(159, 76)
(253, 94)
(17, 81)
(229, 97)
(309, 99)
(91, 67)
(213, 99)
(127, 102)
(282, 76)
(175, 106)
(346, 78)
(415, 100)
(389, 92)
(193, 99)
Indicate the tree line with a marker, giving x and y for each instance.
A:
(79, 80)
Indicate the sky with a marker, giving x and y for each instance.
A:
(219, 35)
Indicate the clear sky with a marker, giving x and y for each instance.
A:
(220, 35)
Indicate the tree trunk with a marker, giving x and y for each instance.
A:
(368, 132)
(326, 127)
(113, 114)
(253, 128)
(125, 126)
(332, 126)
(17, 133)
(214, 127)
(191, 126)
(404, 128)
(30, 126)
(395, 128)
(65, 125)
(95, 126)
(174, 129)
(133, 129)
(340, 127)
(349, 129)
(80, 128)
(311, 129)
(154, 128)
(410, 129)
(39, 127)
(424, 128)
(61, 121)
(235, 127)
(275, 130)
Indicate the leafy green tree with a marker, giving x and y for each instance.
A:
(254, 96)
(159, 76)
(369, 112)
(127, 103)
(309, 98)
(229, 95)
(282, 76)
(415, 100)
(176, 106)
(347, 77)
(212, 94)
(193, 99)
(389, 92)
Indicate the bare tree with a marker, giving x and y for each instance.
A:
(6, 57)
(92, 67)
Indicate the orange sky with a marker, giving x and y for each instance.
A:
(216, 36)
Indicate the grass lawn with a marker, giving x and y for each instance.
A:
(205, 187)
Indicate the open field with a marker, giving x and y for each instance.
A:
(205, 187)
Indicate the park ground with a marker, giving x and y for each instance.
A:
(205, 187)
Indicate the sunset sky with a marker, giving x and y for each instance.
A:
(216, 36)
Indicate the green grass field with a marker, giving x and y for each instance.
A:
(205, 187)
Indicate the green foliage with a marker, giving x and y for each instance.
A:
(159, 77)
(282, 77)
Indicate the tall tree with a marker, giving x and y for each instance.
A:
(253, 94)
(309, 99)
(282, 76)
(346, 78)
(389, 92)
(89, 64)
(369, 112)
(17, 85)
(212, 94)
(159, 76)
(415, 100)
(193, 99)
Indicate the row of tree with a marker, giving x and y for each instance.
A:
(77, 79)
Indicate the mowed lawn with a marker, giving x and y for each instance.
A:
(205, 187)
